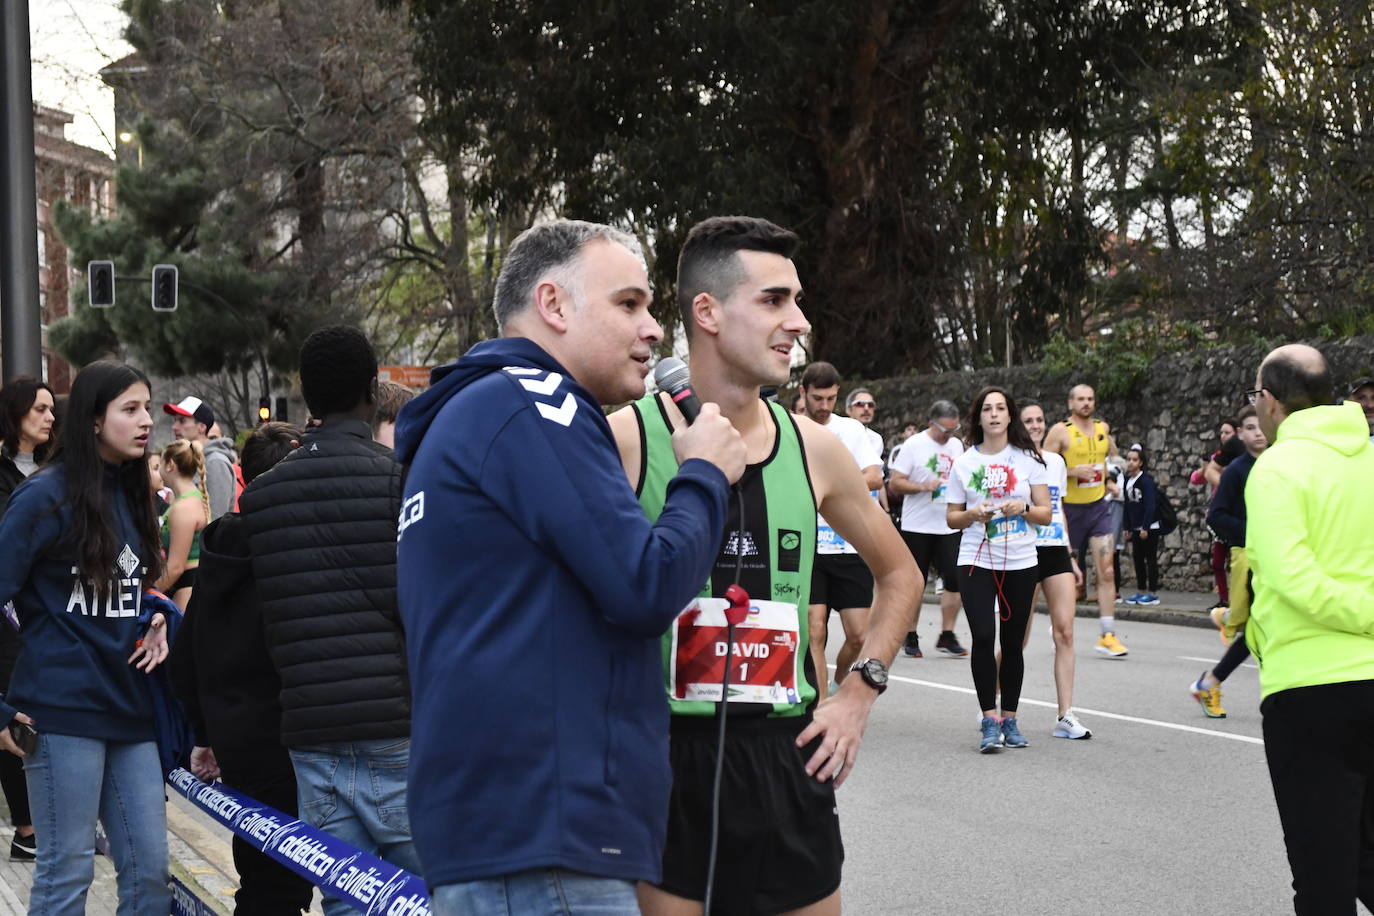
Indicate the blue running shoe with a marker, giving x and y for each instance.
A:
(1011, 735)
(992, 736)
(1149, 599)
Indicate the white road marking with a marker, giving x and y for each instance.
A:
(1090, 712)
(1212, 661)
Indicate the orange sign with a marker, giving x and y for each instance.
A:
(410, 376)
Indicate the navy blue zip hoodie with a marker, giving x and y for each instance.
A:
(533, 593)
(73, 675)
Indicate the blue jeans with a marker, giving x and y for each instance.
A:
(356, 791)
(538, 892)
(72, 781)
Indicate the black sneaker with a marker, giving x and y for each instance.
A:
(913, 646)
(948, 643)
(23, 848)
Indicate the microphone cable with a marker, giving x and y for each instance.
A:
(724, 707)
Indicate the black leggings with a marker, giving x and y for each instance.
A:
(979, 589)
(1146, 555)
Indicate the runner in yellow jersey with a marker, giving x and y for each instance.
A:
(1085, 442)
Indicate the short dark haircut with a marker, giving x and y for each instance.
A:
(1233, 422)
(265, 446)
(338, 369)
(709, 263)
(391, 397)
(1294, 385)
(1246, 413)
(16, 400)
(550, 246)
(820, 375)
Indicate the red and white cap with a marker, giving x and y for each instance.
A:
(192, 407)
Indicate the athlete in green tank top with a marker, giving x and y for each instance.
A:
(779, 542)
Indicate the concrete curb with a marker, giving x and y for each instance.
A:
(1174, 616)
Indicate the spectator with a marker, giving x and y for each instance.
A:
(80, 545)
(26, 426)
(554, 786)
(193, 421)
(1217, 554)
(182, 463)
(321, 529)
(224, 678)
(391, 397)
(1362, 393)
(1308, 503)
(1141, 526)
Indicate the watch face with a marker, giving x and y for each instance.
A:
(876, 671)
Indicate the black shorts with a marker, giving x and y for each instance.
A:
(1051, 561)
(943, 549)
(780, 843)
(841, 581)
(187, 579)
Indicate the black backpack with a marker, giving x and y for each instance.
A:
(1164, 509)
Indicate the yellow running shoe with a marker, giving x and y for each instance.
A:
(1218, 615)
(1208, 699)
(1110, 646)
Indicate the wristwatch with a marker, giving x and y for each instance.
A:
(873, 672)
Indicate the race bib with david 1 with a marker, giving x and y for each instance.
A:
(763, 662)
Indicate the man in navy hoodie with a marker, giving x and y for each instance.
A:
(533, 590)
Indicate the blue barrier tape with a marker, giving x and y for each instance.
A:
(186, 903)
(360, 879)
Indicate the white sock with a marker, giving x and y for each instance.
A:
(1108, 624)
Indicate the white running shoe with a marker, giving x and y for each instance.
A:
(1068, 726)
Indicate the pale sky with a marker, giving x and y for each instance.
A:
(70, 40)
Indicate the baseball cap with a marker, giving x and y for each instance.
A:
(192, 407)
(1360, 383)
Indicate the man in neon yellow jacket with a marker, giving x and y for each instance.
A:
(1309, 502)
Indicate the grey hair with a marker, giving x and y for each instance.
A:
(849, 401)
(548, 248)
(943, 410)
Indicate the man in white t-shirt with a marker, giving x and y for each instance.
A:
(920, 474)
(860, 405)
(839, 578)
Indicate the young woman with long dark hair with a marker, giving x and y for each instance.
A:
(81, 543)
(26, 426)
(997, 495)
(183, 463)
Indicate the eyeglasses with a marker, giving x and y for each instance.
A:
(863, 404)
(1252, 395)
(949, 429)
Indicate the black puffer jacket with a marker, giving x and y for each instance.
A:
(322, 533)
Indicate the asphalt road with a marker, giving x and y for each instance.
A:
(1162, 811)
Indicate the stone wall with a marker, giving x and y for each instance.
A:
(1173, 410)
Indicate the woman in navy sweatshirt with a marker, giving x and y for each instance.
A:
(80, 542)
(1142, 526)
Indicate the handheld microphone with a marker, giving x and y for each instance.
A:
(672, 376)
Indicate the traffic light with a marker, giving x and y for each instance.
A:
(164, 288)
(264, 409)
(100, 285)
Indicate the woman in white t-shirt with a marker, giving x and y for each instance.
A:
(997, 495)
(1059, 576)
